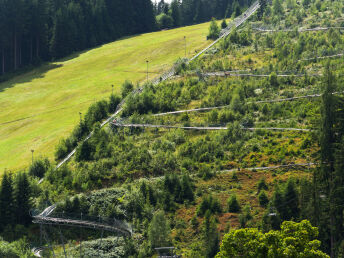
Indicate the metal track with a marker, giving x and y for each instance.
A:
(116, 226)
(236, 23)
(197, 128)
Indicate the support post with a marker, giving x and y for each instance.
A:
(64, 249)
(47, 239)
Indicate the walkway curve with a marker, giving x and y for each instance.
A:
(224, 33)
(226, 106)
(299, 30)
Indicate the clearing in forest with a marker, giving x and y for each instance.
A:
(40, 107)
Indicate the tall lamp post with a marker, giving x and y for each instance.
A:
(147, 69)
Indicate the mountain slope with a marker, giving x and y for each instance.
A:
(40, 107)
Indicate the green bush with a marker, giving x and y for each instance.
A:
(39, 167)
(233, 204)
(263, 199)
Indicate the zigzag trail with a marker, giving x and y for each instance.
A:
(224, 33)
(199, 128)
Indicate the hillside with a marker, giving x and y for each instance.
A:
(238, 154)
(40, 107)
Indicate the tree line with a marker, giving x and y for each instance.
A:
(187, 12)
(40, 30)
(36, 30)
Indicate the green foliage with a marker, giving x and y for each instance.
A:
(277, 7)
(263, 199)
(294, 240)
(211, 236)
(262, 184)
(22, 199)
(17, 249)
(233, 204)
(246, 216)
(39, 167)
(223, 24)
(214, 30)
(165, 21)
(107, 247)
(209, 203)
(159, 230)
(6, 201)
(126, 88)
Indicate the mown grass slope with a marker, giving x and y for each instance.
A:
(43, 105)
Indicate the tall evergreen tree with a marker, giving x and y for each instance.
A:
(6, 201)
(175, 13)
(22, 199)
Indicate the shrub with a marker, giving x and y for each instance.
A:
(233, 204)
(214, 30)
(224, 24)
(39, 167)
(262, 185)
(127, 87)
(263, 199)
(209, 203)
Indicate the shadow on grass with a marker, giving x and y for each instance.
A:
(29, 73)
(26, 75)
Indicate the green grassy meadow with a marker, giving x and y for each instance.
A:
(40, 107)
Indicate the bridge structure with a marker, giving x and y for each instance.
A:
(49, 218)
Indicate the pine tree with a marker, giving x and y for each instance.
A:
(175, 13)
(214, 30)
(6, 201)
(159, 230)
(22, 199)
(291, 200)
(233, 204)
(210, 236)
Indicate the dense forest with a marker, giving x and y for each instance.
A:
(37, 30)
(41, 30)
(268, 183)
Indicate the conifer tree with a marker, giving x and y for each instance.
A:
(22, 199)
(210, 236)
(6, 201)
(214, 30)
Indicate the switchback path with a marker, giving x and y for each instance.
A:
(299, 30)
(198, 128)
(115, 226)
(231, 74)
(322, 57)
(224, 33)
(226, 106)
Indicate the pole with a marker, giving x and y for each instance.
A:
(32, 155)
(147, 69)
(81, 239)
(80, 116)
(112, 89)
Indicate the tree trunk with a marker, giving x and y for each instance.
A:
(15, 51)
(3, 60)
(20, 54)
(37, 46)
(31, 50)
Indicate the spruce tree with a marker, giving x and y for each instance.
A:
(6, 201)
(291, 201)
(210, 236)
(22, 199)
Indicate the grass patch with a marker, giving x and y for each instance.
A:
(41, 106)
